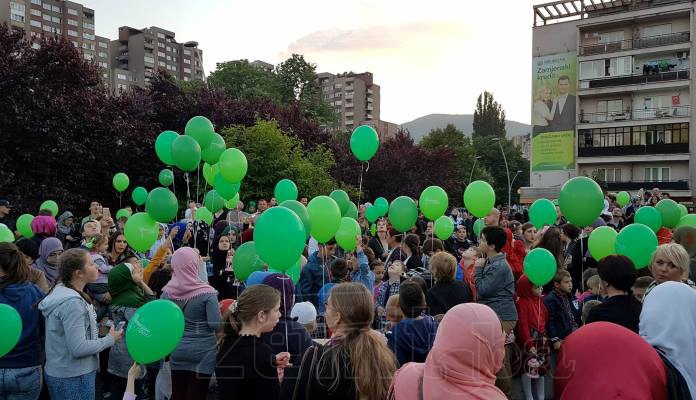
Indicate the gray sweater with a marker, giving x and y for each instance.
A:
(72, 340)
(495, 287)
(197, 350)
(120, 360)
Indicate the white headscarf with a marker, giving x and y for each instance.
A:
(668, 323)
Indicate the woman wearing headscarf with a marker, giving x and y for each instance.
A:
(128, 292)
(49, 250)
(220, 253)
(193, 360)
(668, 323)
(67, 231)
(287, 335)
(161, 239)
(468, 352)
(605, 361)
(43, 226)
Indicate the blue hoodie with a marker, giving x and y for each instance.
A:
(312, 278)
(23, 297)
(412, 339)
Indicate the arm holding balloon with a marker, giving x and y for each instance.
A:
(137, 276)
(133, 374)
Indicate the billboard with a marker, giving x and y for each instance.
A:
(554, 83)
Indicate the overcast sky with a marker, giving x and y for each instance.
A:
(428, 56)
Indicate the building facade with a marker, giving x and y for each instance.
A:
(621, 70)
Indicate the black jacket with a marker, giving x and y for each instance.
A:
(316, 376)
(560, 323)
(246, 369)
(297, 339)
(623, 310)
(443, 296)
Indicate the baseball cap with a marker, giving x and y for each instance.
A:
(304, 312)
(5, 203)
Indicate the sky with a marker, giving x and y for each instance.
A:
(427, 56)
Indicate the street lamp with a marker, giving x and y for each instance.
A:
(496, 139)
(513, 182)
(471, 175)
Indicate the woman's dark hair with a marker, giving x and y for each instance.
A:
(432, 245)
(618, 271)
(28, 247)
(572, 231)
(69, 262)
(112, 243)
(13, 265)
(412, 241)
(253, 300)
(411, 299)
(551, 241)
(494, 236)
(339, 270)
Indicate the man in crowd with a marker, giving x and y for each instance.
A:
(5, 209)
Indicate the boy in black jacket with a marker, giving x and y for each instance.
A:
(564, 310)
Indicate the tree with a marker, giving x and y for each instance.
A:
(243, 81)
(489, 117)
(299, 82)
(492, 160)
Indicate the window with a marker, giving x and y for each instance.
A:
(75, 44)
(17, 17)
(87, 46)
(72, 33)
(160, 35)
(173, 67)
(657, 174)
(56, 20)
(103, 54)
(55, 9)
(121, 77)
(47, 17)
(103, 64)
(72, 12)
(609, 174)
(35, 23)
(35, 46)
(186, 79)
(187, 52)
(169, 48)
(105, 75)
(616, 66)
(187, 70)
(17, 11)
(607, 110)
(88, 56)
(150, 60)
(160, 44)
(88, 36)
(72, 22)
(187, 61)
(47, 6)
(161, 54)
(87, 25)
(122, 87)
(174, 50)
(610, 37)
(37, 2)
(162, 64)
(656, 30)
(36, 12)
(169, 58)
(103, 45)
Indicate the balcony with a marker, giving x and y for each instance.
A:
(635, 115)
(349, 88)
(633, 150)
(369, 99)
(641, 79)
(630, 44)
(647, 185)
(369, 107)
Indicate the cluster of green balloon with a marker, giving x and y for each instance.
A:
(246, 261)
(444, 227)
(682, 209)
(347, 233)
(24, 225)
(352, 211)
(325, 215)
(650, 217)
(364, 142)
(623, 198)
(581, 201)
(120, 182)
(342, 200)
(233, 165)
(478, 226)
(154, 331)
(141, 231)
(372, 213)
(213, 201)
(280, 225)
(139, 195)
(669, 209)
(51, 206)
(433, 202)
(226, 189)
(542, 212)
(539, 266)
(11, 328)
(301, 211)
(637, 242)
(479, 198)
(6, 234)
(602, 242)
(284, 190)
(403, 213)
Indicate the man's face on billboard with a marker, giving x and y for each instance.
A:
(563, 86)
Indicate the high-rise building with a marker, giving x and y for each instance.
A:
(354, 96)
(612, 95)
(138, 53)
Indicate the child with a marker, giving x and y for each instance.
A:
(466, 269)
(377, 268)
(339, 272)
(99, 289)
(389, 288)
(530, 334)
(306, 315)
(593, 290)
(246, 366)
(393, 312)
(640, 286)
(360, 270)
(587, 307)
(563, 310)
(412, 338)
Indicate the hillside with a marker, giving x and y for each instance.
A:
(420, 127)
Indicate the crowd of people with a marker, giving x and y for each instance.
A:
(403, 316)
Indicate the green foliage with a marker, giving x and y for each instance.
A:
(492, 160)
(489, 117)
(243, 81)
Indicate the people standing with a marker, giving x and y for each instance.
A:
(530, 336)
(617, 274)
(446, 292)
(380, 243)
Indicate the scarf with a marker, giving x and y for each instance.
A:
(530, 306)
(668, 323)
(186, 283)
(159, 242)
(124, 292)
(65, 230)
(48, 246)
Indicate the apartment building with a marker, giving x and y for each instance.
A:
(354, 96)
(612, 95)
(138, 53)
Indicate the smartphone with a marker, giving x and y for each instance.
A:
(106, 213)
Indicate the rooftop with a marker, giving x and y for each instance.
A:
(567, 10)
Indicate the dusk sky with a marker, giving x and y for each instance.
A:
(428, 57)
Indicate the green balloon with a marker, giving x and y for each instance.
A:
(203, 214)
(433, 202)
(11, 328)
(186, 153)
(637, 242)
(120, 181)
(301, 211)
(24, 225)
(373, 229)
(372, 214)
(210, 172)
(325, 216)
(139, 195)
(478, 226)
(233, 165)
(352, 211)
(623, 198)
(403, 213)
(276, 226)
(163, 146)
(123, 213)
(154, 331)
(166, 177)
(213, 201)
(687, 220)
(382, 206)
(683, 210)
(444, 227)
(293, 272)
(285, 189)
(246, 261)
(602, 242)
(6, 234)
(542, 212)
(581, 201)
(540, 266)
(161, 205)
(364, 142)
(141, 231)
(201, 129)
(347, 233)
(670, 212)
(342, 199)
(231, 204)
(479, 198)
(226, 189)
(50, 205)
(211, 153)
(650, 217)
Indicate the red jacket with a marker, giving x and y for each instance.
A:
(511, 256)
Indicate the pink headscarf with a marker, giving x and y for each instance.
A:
(185, 282)
(468, 351)
(43, 224)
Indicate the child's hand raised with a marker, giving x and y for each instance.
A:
(283, 359)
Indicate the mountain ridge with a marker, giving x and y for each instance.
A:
(421, 126)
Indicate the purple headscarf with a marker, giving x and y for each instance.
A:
(48, 246)
(284, 285)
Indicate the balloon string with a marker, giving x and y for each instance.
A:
(119, 201)
(173, 181)
(362, 165)
(188, 188)
(198, 181)
(285, 308)
(582, 266)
